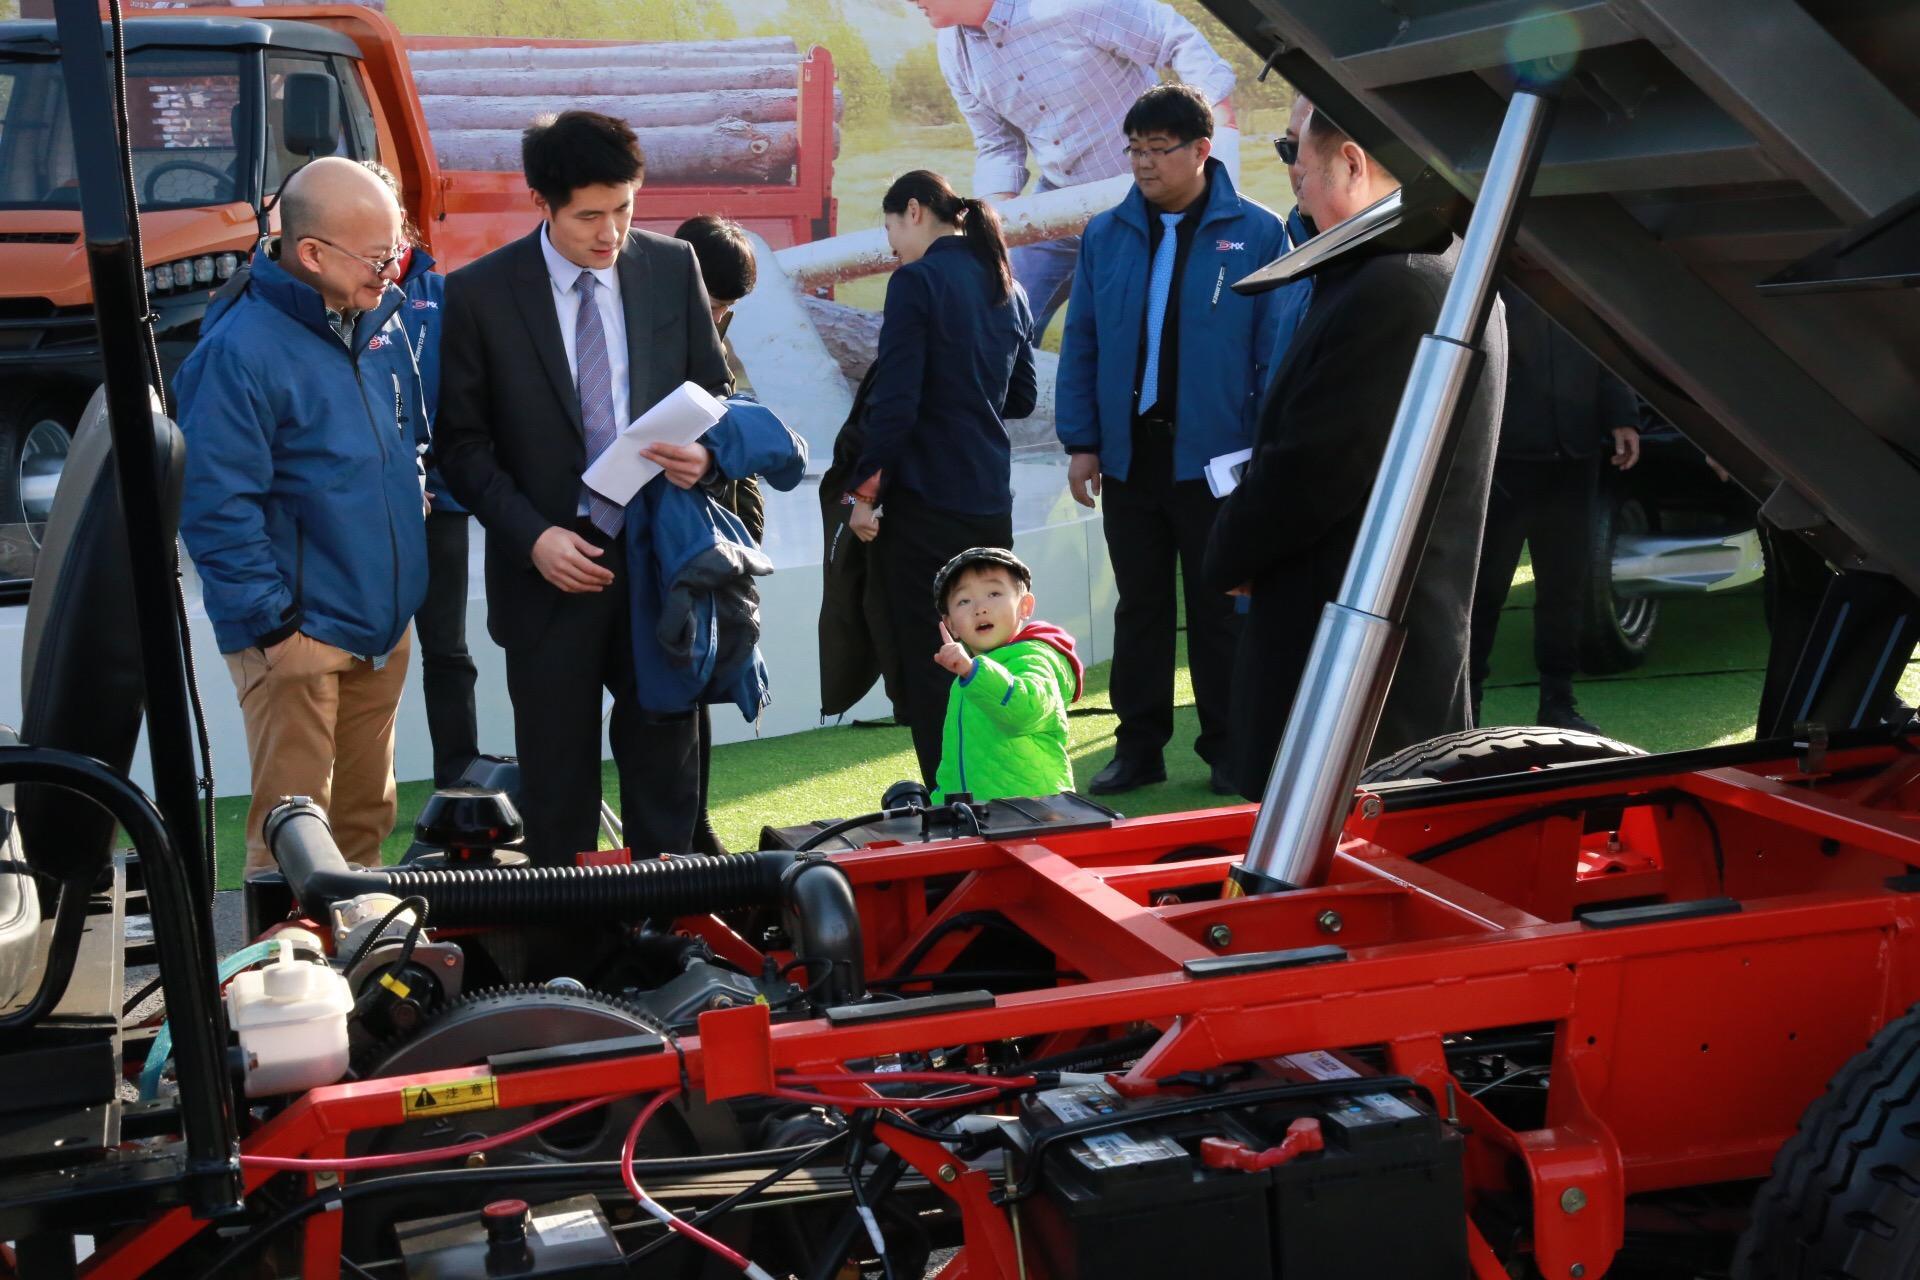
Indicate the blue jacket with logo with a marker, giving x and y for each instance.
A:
(1227, 342)
(420, 313)
(1290, 303)
(301, 503)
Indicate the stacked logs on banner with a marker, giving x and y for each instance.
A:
(707, 112)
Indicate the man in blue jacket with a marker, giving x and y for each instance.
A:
(1161, 369)
(447, 672)
(302, 505)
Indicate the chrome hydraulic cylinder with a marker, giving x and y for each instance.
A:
(1350, 667)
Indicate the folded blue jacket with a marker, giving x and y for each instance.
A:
(696, 615)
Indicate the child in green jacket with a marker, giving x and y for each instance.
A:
(1006, 728)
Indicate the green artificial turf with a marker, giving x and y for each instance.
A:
(1698, 688)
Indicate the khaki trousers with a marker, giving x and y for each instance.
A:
(320, 724)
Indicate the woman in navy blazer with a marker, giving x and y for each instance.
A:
(955, 362)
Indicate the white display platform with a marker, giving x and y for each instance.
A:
(1060, 540)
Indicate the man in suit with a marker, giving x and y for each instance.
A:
(1285, 535)
(550, 346)
(1562, 410)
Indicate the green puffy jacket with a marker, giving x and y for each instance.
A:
(1006, 728)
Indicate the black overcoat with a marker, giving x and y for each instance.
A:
(1290, 526)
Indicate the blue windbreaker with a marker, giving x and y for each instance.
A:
(1226, 341)
(421, 314)
(301, 502)
(1291, 302)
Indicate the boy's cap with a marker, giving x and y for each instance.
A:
(978, 558)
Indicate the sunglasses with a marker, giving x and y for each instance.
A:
(1289, 149)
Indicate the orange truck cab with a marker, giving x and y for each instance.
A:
(223, 105)
(222, 109)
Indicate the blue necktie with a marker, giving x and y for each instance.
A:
(594, 380)
(1157, 286)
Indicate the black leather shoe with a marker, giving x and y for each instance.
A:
(1220, 784)
(1124, 775)
(1564, 714)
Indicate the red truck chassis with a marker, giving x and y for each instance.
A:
(1689, 1033)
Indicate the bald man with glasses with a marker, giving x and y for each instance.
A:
(303, 505)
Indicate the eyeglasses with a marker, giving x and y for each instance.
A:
(1139, 154)
(1289, 149)
(380, 265)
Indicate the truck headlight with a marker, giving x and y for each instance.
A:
(203, 270)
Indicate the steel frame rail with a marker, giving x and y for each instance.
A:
(1657, 1026)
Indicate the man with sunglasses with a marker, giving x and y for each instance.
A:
(1161, 370)
(1285, 535)
(303, 506)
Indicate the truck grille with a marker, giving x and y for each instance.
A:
(39, 237)
(30, 323)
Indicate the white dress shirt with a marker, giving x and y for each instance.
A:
(613, 320)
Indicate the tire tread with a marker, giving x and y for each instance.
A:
(1844, 1197)
(1482, 753)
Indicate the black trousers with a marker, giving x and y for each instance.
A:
(556, 684)
(1548, 506)
(1153, 523)
(915, 542)
(705, 839)
(447, 673)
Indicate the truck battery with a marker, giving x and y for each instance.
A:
(509, 1238)
(1142, 1202)
(1137, 1203)
(1385, 1153)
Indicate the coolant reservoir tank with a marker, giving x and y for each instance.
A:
(291, 1017)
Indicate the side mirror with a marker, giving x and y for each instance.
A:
(310, 113)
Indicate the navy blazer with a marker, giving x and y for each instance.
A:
(953, 366)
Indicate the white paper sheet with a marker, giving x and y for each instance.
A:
(682, 416)
(1224, 472)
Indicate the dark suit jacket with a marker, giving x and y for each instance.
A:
(1561, 403)
(509, 437)
(1290, 526)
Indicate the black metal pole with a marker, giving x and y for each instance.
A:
(193, 1007)
(179, 882)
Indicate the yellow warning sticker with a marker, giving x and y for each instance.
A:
(421, 1100)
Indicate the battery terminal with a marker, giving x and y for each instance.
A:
(1303, 1135)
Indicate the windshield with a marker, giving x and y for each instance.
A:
(184, 106)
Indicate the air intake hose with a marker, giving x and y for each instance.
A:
(814, 895)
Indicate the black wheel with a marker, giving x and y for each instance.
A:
(1616, 630)
(1485, 753)
(1844, 1199)
(35, 433)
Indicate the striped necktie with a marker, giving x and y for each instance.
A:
(593, 378)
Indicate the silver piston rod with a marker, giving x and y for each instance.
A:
(1350, 667)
